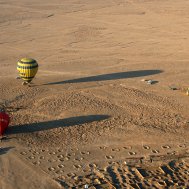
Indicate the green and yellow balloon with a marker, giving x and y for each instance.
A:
(27, 68)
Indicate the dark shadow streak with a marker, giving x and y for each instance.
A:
(5, 150)
(110, 76)
(33, 127)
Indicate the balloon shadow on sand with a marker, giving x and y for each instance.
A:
(67, 122)
(4, 150)
(110, 76)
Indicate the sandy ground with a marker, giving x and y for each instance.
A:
(89, 118)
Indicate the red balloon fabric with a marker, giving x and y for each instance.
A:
(4, 122)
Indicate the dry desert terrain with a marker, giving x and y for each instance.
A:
(90, 119)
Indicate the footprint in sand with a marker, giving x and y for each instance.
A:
(52, 153)
(37, 163)
(92, 165)
(166, 147)
(60, 166)
(60, 156)
(146, 147)
(79, 158)
(59, 172)
(35, 152)
(132, 153)
(41, 157)
(115, 149)
(61, 159)
(155, 151)
(42, 150)
(30, 150)
(171, 153)
(67, 158)
(51, 160)
(109, 157)
(23, 153)
(76, 178)
(31, 157)
(182, 145)
(186, 172)
(77, 166)
(51, 169)
(86, 168)
(127, 147)
(82, 153)
(102, 147)
(71, 174)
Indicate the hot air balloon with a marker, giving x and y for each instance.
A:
(27, 68)
(4, 121)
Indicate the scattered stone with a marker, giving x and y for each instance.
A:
(144, 80)
(150, 82)
(172, 87)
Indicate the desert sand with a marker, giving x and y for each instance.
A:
(89, 116)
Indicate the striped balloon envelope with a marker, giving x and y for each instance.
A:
(27, 68)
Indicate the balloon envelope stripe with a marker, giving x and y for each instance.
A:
(26, 64)
(27, 67)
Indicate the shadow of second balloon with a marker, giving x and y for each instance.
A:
(109, 76)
